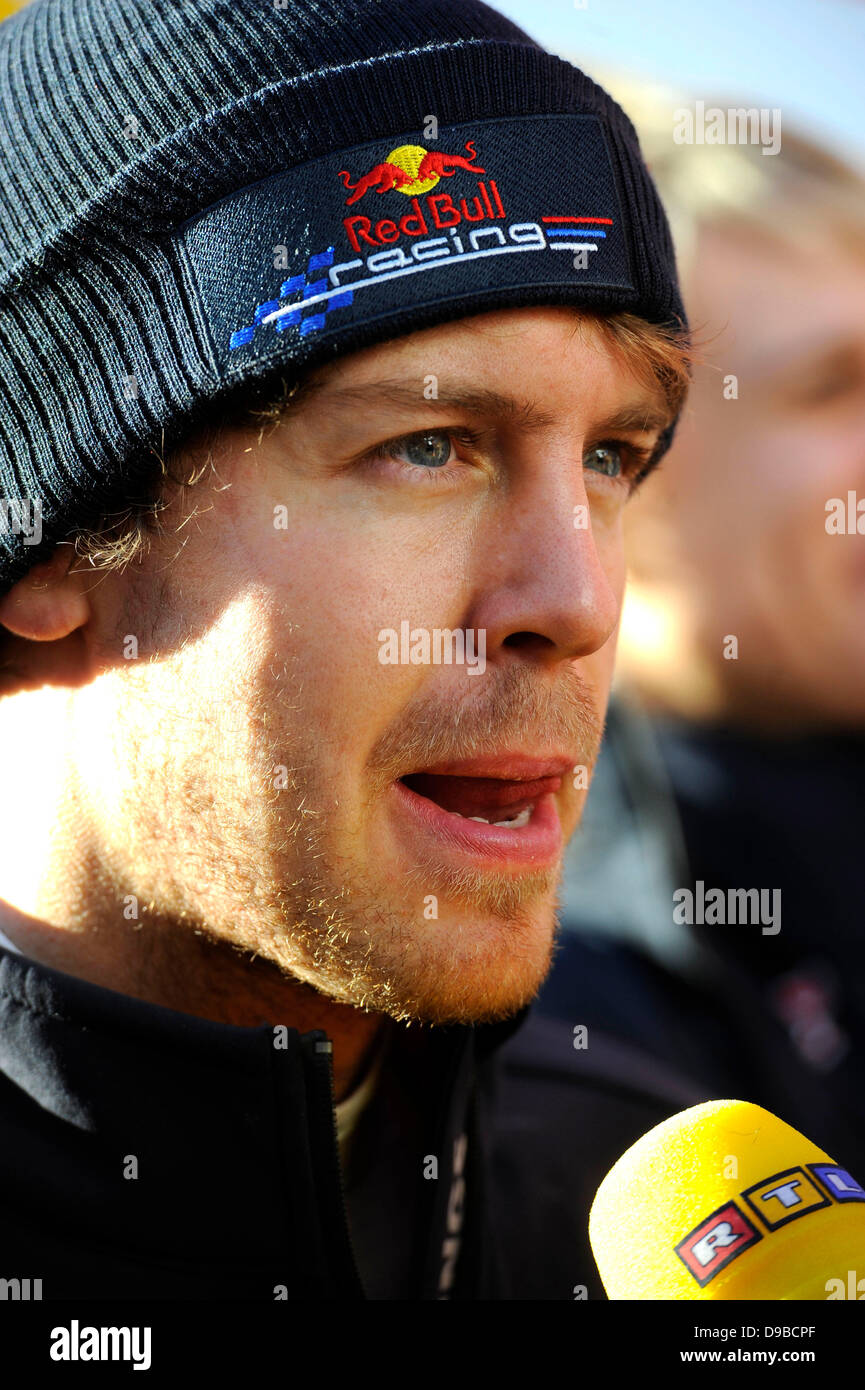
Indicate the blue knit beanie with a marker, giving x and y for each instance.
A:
(200, 196)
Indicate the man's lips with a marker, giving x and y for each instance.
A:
(444, 806)
(446, 837)
(496, 788)
(492, 797)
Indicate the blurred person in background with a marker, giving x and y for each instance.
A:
(734, 756)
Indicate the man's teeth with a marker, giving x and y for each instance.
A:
(518, 821)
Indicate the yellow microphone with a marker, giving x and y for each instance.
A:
(726, 1201)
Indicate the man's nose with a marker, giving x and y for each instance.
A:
(552, 578)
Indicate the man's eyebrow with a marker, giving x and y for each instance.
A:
(483, 401)
(646, 416)
(643, 414)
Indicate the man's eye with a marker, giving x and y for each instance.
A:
(429, 450)
(606, 459)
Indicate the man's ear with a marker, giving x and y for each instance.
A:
(49, 603)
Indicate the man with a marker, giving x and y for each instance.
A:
(293, 759)
(745, 645)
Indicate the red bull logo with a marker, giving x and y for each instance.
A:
(414, 172)
(410, 169)
(389, 223)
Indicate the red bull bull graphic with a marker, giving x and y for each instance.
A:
(410, 169)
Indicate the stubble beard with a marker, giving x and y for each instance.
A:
(431, 942)
(280, 876)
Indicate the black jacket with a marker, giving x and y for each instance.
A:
(150, 1154)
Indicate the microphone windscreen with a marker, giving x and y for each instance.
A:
(726, 1201)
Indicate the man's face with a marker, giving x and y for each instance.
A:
(748, 478)
(245, 768)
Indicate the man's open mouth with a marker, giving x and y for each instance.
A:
(493, 800)
(499, 809)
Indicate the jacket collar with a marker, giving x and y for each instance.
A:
(202, 1144)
